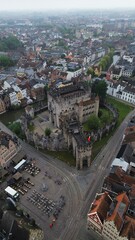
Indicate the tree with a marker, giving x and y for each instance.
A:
(63, 55)
(48, 132)
(16, 128)
(90, 71)
(100, 89)
(9, 43)
(93, 122)
(107, 60)
(103, 63)
(5, 61)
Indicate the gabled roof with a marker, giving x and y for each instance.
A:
(129, 89)
(130, 129)
(122, 203)
(119, 176)
(129, 137)
(101, 205)
(9, 225)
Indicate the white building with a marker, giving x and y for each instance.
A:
(73, 74)
(127, 72)
(13, 98)
(121, 91)
(115, 89)
(128, 94)
(6, 85)
(128, 58)
(116, 73)
(101, 53)
(24, 93)
(120, 162)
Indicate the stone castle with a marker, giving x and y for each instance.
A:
(69, 107)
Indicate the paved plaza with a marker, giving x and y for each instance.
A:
(48, 198)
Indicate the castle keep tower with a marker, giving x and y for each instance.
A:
(69, 104)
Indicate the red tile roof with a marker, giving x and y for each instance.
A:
(128, 229)
(120, 176)
(129, 137)
(101, 205)
(129, 130)
(119, 210)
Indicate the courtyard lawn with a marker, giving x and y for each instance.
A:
(64, 156)
(105, 116)
(122, 108)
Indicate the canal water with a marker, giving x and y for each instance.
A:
(11, 116)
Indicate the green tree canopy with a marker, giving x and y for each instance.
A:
(5, 61)
(90, 71)
(100, 89)
(106, 60)
(16, 128)
(48, 132)
(93, 122)
(9, 43)
(103, 63)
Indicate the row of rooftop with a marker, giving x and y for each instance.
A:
(112, 213)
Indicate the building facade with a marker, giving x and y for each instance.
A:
(2, 106)
(9, 147)
(107, 217)
(98, 212)
(73, 99)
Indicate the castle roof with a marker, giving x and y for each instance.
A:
(70, 89)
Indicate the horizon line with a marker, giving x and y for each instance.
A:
(70, 9)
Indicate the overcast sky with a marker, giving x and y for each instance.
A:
(64, 4)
